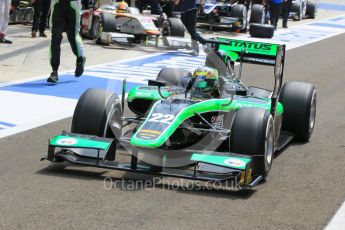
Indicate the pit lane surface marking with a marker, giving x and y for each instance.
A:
(46, 103)
(338, 221)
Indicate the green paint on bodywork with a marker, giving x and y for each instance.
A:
(250, 47)
(226, 161)
(146, 94)
(200, 107)
(77, 142)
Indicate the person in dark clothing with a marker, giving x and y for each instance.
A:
(41, 10)
(154, 4)
(5, 6)
(65, 16)
(275, 11)
(286, 11)
(188, 18)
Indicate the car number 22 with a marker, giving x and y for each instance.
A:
(162, 118)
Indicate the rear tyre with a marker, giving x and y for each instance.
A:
(298, 8)
(257, 14)
(240, 11)
(98, 112)
(173, 75)
(299, 102)
(311, 9)
(173, 27)
(252, 133)
(261, 30)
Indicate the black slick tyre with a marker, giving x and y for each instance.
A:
(257, 14)
(261, 30)
(252, 133)
(299, 103)
(98, 112)
(105, 22)
(173, 27)
(311, 9)
(240, 11)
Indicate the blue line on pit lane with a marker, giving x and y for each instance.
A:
(68, 86)
(330, 6)
(327, 25)
(6, 124)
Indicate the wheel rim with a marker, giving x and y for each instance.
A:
(269, 143)
(312, 115)
(95, 29)
(263, 17)
(244, 23)
(304, 10)
(166, 29)
(114, 121)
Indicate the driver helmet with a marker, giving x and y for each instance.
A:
(122, 7)
(205, 82)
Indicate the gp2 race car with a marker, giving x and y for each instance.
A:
(179, 130)
(235, 15)
(21, 12)
(106, 23)
(301, 9)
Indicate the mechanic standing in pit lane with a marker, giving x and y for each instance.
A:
(188, 18)
(4, 18)
(275, 11)
(65, 16)
(41, 9)
(154, 4)
(286, 11)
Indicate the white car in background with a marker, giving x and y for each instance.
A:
(301, 9)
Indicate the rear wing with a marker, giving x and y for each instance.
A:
(252, 52)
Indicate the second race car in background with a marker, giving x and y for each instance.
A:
(21, 12)
(106, 22)
(301, 9)
(233, 14)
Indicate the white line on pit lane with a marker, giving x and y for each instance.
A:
(338, 220)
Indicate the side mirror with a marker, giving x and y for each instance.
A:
(157, 83)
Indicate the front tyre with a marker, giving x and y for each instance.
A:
(98, 112)
(299, 102)
(240, 11)
(173, 27)
(252, 133)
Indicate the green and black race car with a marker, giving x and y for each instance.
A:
(205, 126)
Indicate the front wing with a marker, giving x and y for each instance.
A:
(231, 171)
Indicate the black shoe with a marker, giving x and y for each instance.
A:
(54, 77)
(285, 26)
(43, 35)
(4, 40)
(79, 70)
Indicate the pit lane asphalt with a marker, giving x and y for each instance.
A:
(303, 190)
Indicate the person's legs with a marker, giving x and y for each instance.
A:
(4, 19)
(2, 15)
(286, 11)
(156, 7)
(73, 28)
(278, 12)
(36, 18)
(274, 14)
(57, 28)
(189, 20)
(44, 16)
